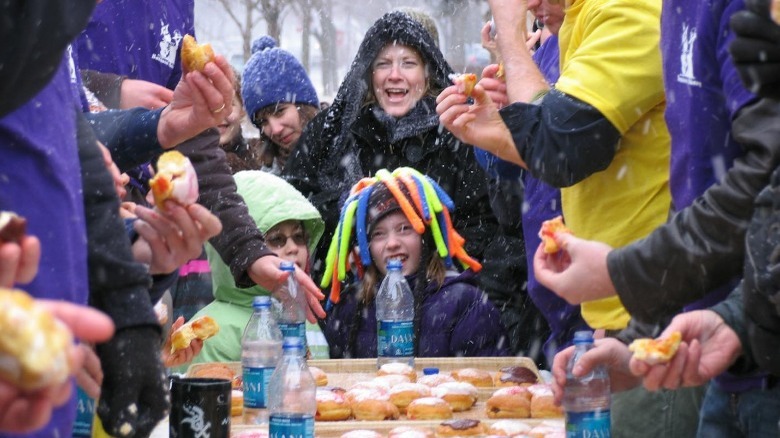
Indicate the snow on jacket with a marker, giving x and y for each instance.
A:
(455, 320)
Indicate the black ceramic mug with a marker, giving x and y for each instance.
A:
(200, 408)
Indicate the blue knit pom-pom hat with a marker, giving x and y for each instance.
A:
(273, 75)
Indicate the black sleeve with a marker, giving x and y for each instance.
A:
(563, 140)
(703, 246)
(240, 243)
(130, 135)
(118, 285)
(34, 35)
(106, 86)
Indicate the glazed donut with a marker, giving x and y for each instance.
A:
(477, 377)
(509, 428)
(34, 344)
(547, 431)
(435, 379)
(377, 385)
(509, 402)
(374, 409)
(331, 406)
(409, 432)
(403, 369)
(403, 394)
(319, 376)
(194, 56)
(429, 408)
(391, 379)
(543, 402)
(515, 376)
(461, 427)
(460, 395)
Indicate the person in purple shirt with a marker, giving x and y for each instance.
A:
(713, 182)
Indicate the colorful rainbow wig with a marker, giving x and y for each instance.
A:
(424, 196)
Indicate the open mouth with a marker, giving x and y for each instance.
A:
(396, 94)
(402, 258)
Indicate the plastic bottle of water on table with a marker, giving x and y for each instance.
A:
(261, 348)
(292, 305)
(395, 318)
(291, 395)
(586, 399)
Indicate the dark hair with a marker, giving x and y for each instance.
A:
(271, 150)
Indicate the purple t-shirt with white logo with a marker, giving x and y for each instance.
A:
(138, 39)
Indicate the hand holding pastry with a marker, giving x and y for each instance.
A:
(19, 252)
(24, 410)
(197, 329)
(174, 357)
(708, 348)
(194, 56)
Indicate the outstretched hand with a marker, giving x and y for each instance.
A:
(201, 100)
(708, 348)
(265, 272)
(578, 272)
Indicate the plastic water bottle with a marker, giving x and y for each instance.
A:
(586, 399)
(394, 318)
(291, 395)
(261, 348)
(292, 299)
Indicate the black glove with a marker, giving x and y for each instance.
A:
(756, 48)
(134, 396)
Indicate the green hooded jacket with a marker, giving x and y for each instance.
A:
(271, 200)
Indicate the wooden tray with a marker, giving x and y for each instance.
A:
(335, 429)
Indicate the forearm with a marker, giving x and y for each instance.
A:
(563, 140)
(124, 294)
(524, 80)
(130, 135)
(240, 243)
(708, 237)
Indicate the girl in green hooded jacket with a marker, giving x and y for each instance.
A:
(292, 227)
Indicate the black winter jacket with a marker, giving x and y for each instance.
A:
(703, 246)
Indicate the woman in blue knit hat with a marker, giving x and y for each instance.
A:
(279, 99)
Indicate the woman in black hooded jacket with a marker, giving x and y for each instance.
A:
(356, 136)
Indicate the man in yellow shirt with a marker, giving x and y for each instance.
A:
(599, 134)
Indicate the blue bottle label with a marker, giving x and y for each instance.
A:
(593, 424)
(395, 339)
(85, 413)
(256, 386)
(294, 330)
(291, 426)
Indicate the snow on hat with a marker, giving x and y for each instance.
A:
(273, 75)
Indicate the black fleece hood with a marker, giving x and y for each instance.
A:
(392, 28)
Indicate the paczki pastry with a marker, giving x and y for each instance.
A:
(547, 232)
(397, 368)
(331, 406)
(461, 427)
(403, 394)
(460, 395)
(199, 328)
(34, 344)
(320, 378)
(515, 376)
(429, 408)
(475, 376)
(509, 402)
(543, 402)
(12, 227)
(195, 56)
(509, 428)
(655, 351)
(175, 180)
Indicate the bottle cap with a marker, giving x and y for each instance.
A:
(583, 336)
(261, 301)
(394, 264)
(429, 371)
(287, 266)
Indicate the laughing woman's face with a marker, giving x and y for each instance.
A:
(398, 79)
